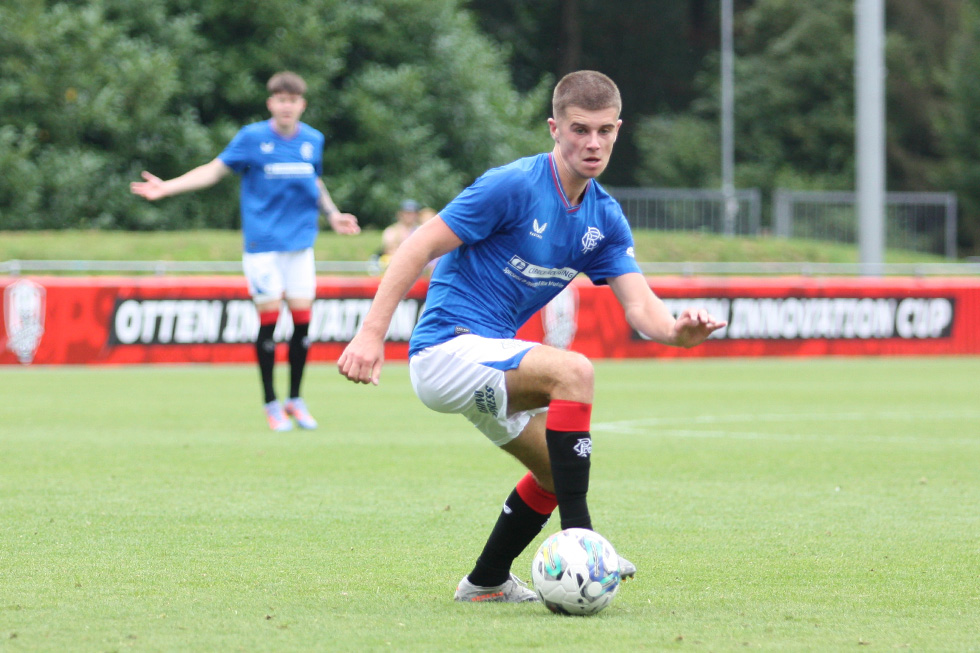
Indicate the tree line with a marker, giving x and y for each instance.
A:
(418, 97)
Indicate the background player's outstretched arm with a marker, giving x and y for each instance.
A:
(203, 176)
(362, 359)
(647, 313)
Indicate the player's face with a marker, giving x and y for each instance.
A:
(585, 139)
(286, 110)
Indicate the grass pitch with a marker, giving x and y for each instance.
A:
(782, 505)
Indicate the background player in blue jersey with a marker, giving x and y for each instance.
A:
(510, 243)
(280, 161)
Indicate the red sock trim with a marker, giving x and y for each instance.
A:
(301, 317)
(268, 317)
(568, 415)
(536, 497)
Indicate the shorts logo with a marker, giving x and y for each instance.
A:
(591, 239)
(486, 401)
(23, 312)
(583, 447)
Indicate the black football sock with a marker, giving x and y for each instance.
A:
(299, 347)
(265, 349)
(516, 527)
(570, 450)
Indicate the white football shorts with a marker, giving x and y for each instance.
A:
(274, 275)
(465, 375)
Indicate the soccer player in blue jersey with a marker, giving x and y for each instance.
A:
(509, 243)
(280, 161)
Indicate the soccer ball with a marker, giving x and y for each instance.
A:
(576, 571)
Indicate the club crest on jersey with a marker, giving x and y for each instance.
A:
(591, 239)
(267, 147)
(306, 151)
(538, 229)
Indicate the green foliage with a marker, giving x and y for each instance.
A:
(678, 151)
(427, 106)
(416, 101)
(961, 124)
(85, 100)
(794, 105)
(412, 99)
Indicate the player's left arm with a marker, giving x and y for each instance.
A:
(342, 223)
(648, 314)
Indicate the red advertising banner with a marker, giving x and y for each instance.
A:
(115, 320)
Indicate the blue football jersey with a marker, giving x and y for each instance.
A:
(279, 194)
(523, 242)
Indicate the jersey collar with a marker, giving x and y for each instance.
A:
(561, 191)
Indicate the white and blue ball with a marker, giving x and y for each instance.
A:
(576, 571)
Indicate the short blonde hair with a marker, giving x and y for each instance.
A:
(286, 82)
(585, 89)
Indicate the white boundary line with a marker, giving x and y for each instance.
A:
(680, 426)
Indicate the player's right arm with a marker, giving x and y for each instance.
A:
(362, 359)
(204, 176)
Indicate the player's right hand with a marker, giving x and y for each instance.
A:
(151, 189)
(362, 360)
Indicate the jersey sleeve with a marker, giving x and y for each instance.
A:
(616, 256)
(235, 154)
(484, 206)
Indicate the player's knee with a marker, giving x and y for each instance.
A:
(577, 371)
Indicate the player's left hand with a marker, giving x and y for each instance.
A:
(693, 326)
(344, 223)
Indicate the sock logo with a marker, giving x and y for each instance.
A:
(583, 448)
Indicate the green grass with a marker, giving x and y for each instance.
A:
(772, 504)
(205, 245)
